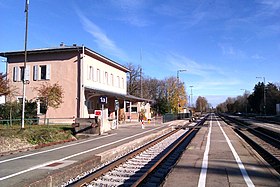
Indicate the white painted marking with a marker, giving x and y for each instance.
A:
(54, 149)
(71, 156)
(237, 159)
(203, 172)
(170, 124)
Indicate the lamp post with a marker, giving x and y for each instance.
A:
(264, 96)
(24, 67)
(191, 96)
(178, 71)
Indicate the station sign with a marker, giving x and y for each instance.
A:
(103, 99)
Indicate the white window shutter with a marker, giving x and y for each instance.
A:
(15, 74)
(35, 73)
(48, 75)
(27, 72)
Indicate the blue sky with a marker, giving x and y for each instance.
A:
(223, 45)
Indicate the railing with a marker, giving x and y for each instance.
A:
(170, 117)
(36, 121)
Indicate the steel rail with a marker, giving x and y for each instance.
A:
(145, 175)
(111, 166)
(190, 133)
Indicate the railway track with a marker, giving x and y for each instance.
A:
(146, 166)
(265, 142)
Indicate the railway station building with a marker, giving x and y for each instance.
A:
(85, 76)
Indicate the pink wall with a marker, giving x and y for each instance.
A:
(64, 70)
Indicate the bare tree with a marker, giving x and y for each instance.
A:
(202, 104)
(133, 80)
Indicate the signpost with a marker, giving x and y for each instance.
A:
(117, 106)
(102, 100)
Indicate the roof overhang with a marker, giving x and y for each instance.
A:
(117, 95)
(78, 49)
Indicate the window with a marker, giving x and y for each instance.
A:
(98, 75)
(106, 80)
(90, 73)
(41, 72)
(18, 73)
(134, 109)
(41, 106)
(122, 83)
(21, 73)
(118, 81)
(112, 79)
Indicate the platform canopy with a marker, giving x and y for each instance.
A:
(127, 97)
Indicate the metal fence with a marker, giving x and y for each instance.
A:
(170, 117)
(37, 121)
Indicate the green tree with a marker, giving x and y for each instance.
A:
(50, 96)
(256, 98)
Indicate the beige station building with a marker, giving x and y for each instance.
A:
(85, 76)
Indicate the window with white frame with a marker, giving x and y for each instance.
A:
(98, 75)
(90, 73)
(112, 79)
(42, 72)
(18, 73)
(41, 106)
(106, 78)
(118, 81)
(122, 83)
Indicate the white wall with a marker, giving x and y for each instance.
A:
(95, 80)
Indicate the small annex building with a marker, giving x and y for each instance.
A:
(85, 77)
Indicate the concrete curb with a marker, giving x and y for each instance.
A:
(61, 176)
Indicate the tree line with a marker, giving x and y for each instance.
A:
(263, 100)
(169, 94)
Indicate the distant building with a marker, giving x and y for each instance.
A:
(84, 75)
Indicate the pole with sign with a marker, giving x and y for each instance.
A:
(117, 109)
(102, 100)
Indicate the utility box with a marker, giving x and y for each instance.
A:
(87, 125)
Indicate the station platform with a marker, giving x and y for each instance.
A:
(50, 166)
(217, 156)
(255, 123)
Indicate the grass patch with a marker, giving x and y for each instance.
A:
(38, 134)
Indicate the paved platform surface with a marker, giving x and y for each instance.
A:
(218, 157)
(26, 167)
(255, 123)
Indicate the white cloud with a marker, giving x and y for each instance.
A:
(257, 57)
(271, 4)
(132, 12)
(229, 50)
(100, 37)
(177, 61)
